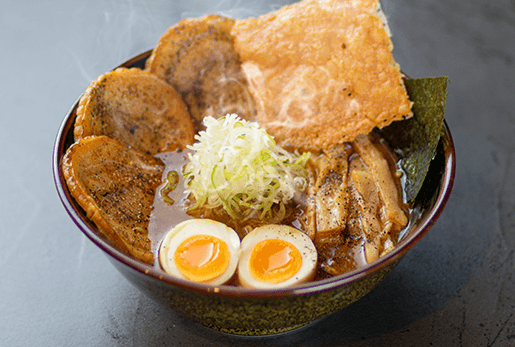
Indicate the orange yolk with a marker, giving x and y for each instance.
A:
(274, 261)
(202, 257)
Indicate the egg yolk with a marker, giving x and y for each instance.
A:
(202, 257)
(274, 261)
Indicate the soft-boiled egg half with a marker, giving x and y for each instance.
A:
(200, 250)
(276, 256)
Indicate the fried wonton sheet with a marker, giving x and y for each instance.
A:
(321, 71)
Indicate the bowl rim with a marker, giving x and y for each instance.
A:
(224, 290)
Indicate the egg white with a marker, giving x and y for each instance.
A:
(297, 238)
(191, 227)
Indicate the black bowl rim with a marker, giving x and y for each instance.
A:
(308, 288)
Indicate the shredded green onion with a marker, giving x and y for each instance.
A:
(237, 165)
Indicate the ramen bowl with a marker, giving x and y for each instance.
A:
(242, 311)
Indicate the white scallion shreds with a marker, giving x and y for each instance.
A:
(237, 165)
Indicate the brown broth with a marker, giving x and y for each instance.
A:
(165, 216)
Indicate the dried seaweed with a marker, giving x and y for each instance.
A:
(415, 140)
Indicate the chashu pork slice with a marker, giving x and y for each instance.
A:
(115, 185)
(197, 57)
(136, 108)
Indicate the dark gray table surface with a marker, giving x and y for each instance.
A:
(455, 288)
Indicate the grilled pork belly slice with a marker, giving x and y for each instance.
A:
(382, 175)
(358, 207)
(332, 197)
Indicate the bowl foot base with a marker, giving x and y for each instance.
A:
(264, 332)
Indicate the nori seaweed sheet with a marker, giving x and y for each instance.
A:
(415, 139)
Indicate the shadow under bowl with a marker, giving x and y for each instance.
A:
(242, 311)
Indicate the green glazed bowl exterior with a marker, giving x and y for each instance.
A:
(260, 312)
(255, 313)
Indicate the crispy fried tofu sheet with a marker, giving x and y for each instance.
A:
(321, 71)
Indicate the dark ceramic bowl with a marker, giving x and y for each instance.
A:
(261, 312)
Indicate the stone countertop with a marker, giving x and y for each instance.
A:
(455, 288)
